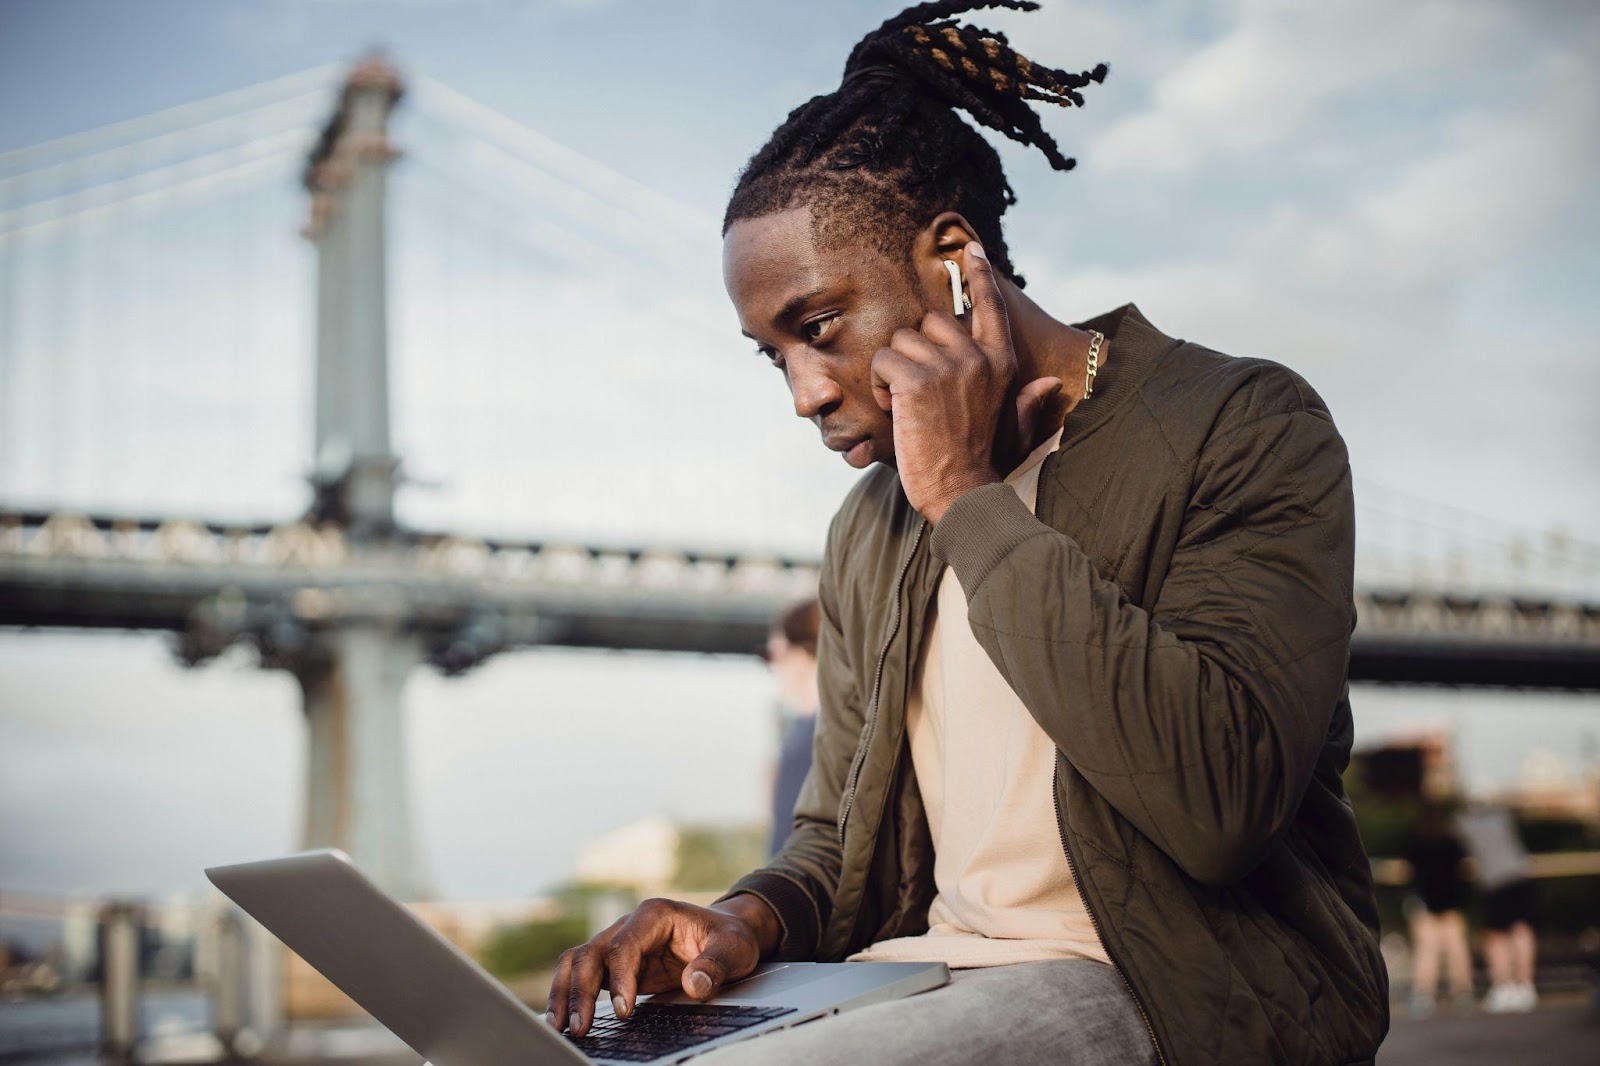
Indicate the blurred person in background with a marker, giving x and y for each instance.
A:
(792, 655)
(1438, 925)
(1502, 869)
(1084, 629)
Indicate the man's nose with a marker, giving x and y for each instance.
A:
(815, 392)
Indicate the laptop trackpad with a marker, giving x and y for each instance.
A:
(778, 980)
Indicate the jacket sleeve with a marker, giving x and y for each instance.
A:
(799, 882)
(1202, 718)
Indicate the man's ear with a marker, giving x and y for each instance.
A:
(940, 240)
(949, 232)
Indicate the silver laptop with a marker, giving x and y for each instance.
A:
(452, 1012)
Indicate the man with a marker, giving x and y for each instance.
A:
(1502, 868)
(792, 655)
(1089, 554)
(1438, 922)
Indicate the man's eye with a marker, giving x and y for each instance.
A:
(817, 328)
(771, 355)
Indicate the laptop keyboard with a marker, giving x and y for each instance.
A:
(654, 1030)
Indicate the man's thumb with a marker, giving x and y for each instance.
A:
(702, 977)
(1033, 403)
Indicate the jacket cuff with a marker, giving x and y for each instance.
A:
(797, 914)
(980, 529)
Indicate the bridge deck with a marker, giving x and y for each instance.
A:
(469, 597)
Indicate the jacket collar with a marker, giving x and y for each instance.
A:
(1133, 347)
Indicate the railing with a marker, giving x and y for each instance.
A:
(119, 972)
(304, 551)
(467, 597)
(303, 547)
(1397, 872)
(227, 989)
(472, 597)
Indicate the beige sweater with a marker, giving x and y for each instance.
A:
(1004, 891)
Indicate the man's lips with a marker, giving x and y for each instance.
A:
(841, 443)
(857, 451)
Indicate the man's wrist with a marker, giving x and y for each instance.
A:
(957, 489)
(754, 912)
(980, 530)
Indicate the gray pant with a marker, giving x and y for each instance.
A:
(1062, 1011)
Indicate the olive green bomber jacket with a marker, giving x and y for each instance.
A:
(1177, 618)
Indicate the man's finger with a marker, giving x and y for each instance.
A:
(585, 987)
(622, 973)
(915, 346)
(991, 329)
(890, 370)
(943, 329)
(556, 1008)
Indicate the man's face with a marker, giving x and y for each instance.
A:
(820, 314)
(790, 662)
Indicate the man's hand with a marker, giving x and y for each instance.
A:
(662, 946)
(947, 389)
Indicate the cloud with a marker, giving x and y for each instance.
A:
(1282, 65)
(1348, 217)
(1486, 181)
(1503, 178)
(1421, 226)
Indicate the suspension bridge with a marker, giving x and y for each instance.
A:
(176, 363)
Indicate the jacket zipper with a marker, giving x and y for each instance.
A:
(1055, 784)
(877, 682)
(1072, 865)
(1094, 919)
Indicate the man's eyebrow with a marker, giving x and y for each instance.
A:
(791, 308)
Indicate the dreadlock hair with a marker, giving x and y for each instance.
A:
(885, 152)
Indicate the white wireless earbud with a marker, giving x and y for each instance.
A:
(960, 303)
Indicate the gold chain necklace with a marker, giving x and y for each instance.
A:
(1096, 339)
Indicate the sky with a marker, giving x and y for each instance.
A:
(1392, 199)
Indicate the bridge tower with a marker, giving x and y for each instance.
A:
(354, 667)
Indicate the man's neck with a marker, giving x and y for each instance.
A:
(1047, 347)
